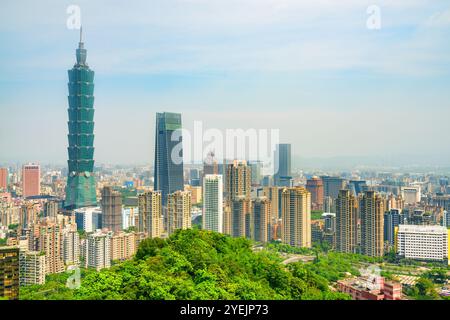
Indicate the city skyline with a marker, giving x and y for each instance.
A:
(249, 150)
(284, 69)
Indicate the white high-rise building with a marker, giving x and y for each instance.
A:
(98, 250)
(212, 216)
(88, 218)
(71, 247)
(422, 242)
(129, 215)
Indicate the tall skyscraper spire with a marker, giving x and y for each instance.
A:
(80, 190)
(81, 51)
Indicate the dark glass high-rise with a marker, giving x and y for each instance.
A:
(283, 173)
(168, 154)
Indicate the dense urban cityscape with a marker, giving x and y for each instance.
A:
(224, 159)
(384, 234)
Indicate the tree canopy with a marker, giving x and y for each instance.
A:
(199, 264)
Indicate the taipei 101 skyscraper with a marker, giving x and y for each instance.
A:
(80, 189)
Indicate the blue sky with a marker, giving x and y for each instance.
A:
(310, 68)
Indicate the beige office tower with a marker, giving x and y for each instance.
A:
(32, 267)
(272, 193)
(296, 217)
(261, 218)
(240, 216)
(33, 235)
(71, 247)
(51, 243)
(150, 214)
(395, 202)
(111, 209)
(29, 214)
(178, 211)
(346, 222)
(123, 246)
(238, 180)
(359, 198)
(227, 219)
(372, 224)
(196, 193)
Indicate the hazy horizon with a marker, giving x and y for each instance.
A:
(336, 90)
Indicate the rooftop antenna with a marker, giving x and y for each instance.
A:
(81, 52)
(81, 33)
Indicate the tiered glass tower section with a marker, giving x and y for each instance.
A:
(80, 189)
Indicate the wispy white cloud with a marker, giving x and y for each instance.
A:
(233, 35)
(262, 55)
(440, 19)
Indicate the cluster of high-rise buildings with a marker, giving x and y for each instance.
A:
(91, 218)
(236, 203)
(375, 222)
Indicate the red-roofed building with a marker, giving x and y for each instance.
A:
(373, 289)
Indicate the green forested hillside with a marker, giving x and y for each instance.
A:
(195, 264)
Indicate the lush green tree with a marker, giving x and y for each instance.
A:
(391, 256)
(282, 247)
(437, 275)
(199, 264)
(54, 289)
(322, 246)
(316, 214)
(149, 248)
(131, 229)
(425, 289)
(82, 234)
